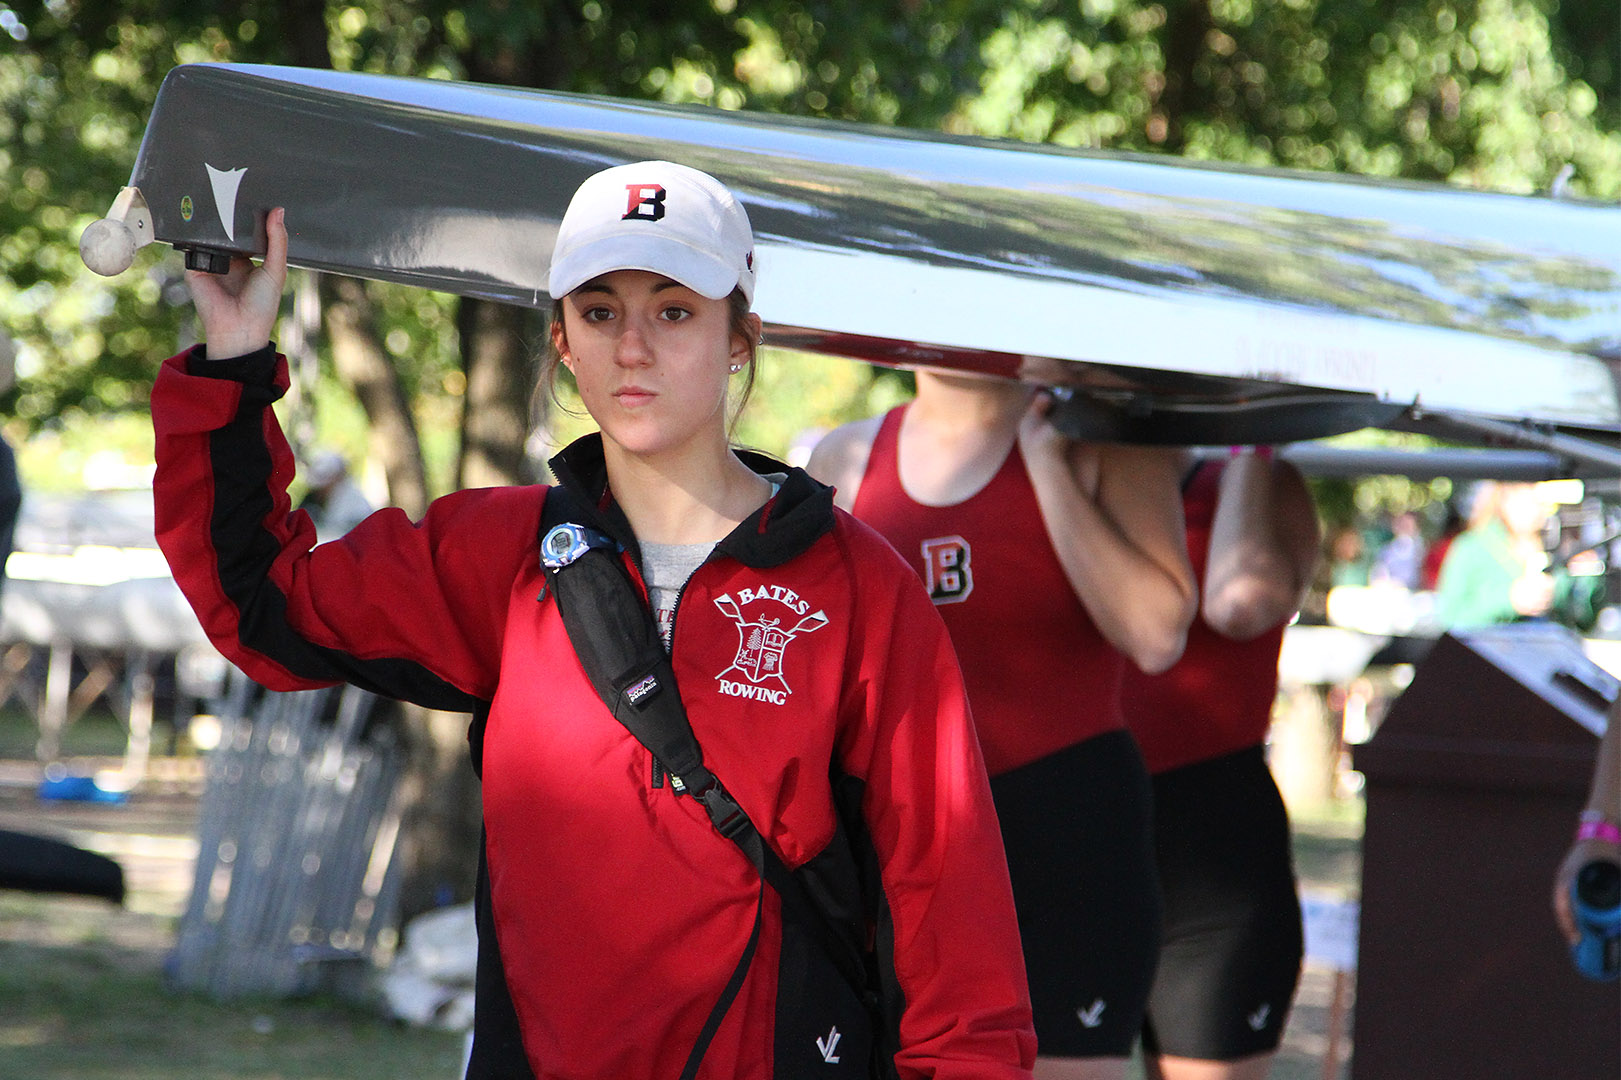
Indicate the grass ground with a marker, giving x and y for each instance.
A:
(82, 994)
(94, 1010)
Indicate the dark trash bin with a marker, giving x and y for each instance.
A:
(1474, 782)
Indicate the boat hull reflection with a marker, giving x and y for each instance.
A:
(1175, 298)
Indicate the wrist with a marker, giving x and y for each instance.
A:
(230, 346)
(1596, 825)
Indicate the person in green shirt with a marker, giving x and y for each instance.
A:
(1498, 570)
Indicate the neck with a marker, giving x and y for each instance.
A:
(968, 404)
(688, 499)
(957, 434)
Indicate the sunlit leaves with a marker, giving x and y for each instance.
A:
(1493, 93)
(1469, 91)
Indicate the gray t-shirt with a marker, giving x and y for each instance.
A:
(666, 568)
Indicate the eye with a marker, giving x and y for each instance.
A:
(597, 314)
(675, 313)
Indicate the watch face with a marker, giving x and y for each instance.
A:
(562, 545)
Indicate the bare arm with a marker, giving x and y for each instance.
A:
(1604, 801)
(1605, 795)
(1114, 516)
(840, 458)
(1264, 545)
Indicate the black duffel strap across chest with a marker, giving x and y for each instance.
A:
(619, 647)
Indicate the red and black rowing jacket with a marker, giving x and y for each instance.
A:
(611, 911)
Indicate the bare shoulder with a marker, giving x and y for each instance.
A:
(1133, 477)
(1296, 509)
(1140, 459)
(840, 458)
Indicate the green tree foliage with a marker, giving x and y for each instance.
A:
(1476, 92)
(78, 78)
(76, 85)
(1505, 95)
(1501, 94)
(65, 149)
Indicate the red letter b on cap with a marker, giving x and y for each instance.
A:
(646, 202)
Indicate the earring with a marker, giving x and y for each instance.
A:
(736, 368)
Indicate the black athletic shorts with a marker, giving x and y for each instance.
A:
(1076, 825)
(1232, 936)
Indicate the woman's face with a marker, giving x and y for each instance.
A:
(1523, 509)
(652, 360)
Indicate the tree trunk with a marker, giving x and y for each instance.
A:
(362, 363)
(440, 828)
(499, 344)
(1187, 26)
(306, 33)
(438, 845)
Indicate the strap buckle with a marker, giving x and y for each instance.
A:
(724, 812)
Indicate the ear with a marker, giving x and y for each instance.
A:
(560, 343)
(743, 347)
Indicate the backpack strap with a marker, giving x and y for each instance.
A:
(619, 648)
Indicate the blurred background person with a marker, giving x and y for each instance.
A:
(334, 500)
(1400, 561)
(1500, 569)
(1435, 552)
(1496, 571)
(1348, 558)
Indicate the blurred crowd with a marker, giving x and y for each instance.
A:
(1497, 552)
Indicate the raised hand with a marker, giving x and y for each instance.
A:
(1044, 446)
(238, 309)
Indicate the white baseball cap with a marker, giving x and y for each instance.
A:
(656, 216)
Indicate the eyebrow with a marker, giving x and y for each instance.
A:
(597, 285)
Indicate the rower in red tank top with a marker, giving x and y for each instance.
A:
(1233, 682)
(1055, 565)
(1023, 637)
(1230, 956)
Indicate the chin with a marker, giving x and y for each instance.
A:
(647, 436)
(642, 443)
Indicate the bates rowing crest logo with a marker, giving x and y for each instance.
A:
(776, 616)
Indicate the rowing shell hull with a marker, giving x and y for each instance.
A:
(1183, 302)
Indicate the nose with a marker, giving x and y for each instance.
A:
(631, 350)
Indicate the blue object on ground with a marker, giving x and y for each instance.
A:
(78, 789)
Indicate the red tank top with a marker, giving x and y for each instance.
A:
(1040, 676)
(1218, 697)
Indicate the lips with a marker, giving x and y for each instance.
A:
(633, 395)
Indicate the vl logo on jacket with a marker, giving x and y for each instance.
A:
(763, 639)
